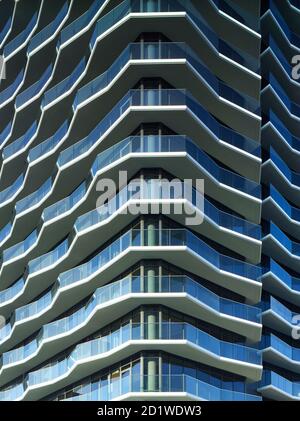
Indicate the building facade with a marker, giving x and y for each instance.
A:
(119, 278)
(280, 257)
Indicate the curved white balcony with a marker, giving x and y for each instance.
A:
(36, 42)
(279, 282)
(277, 316)
(5, 134)
(54, 94)
(131, 7)
(186, 338)
(274, 386)
(172, 98)
(48, 33)
(54, 65)
(225, 133)
(39, 41)
(287, 144)
(15, 45)
(166, 242)
(10, 193)
(15, 148)
(240, 227)
(202, 23)
(221, 223)
(166, 51)
(292, 38)
(78, 148)
(29, 94)
(147, 147)
(277, 244)
(278, 57)
(279, 353)
(275, 171)
(278, 209)
(7, 28)
(105, 17)
(82, 23)
(174, 387)
(238, 15)
(178, 292)
(276, 95)
(5, 94)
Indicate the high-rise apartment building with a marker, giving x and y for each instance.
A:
(119, 278)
